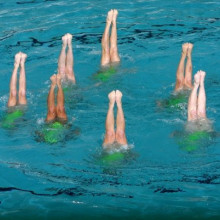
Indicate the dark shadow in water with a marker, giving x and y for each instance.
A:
(34, 1)
(73, 95)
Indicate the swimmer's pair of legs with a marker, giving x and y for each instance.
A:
(65, 62)
(184, 82)
(111, 136)
(53, 110)
(197, 105)
(110, 54)
(20, 59)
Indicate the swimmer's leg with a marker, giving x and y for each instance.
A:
(51, 108)
(69, 60)
(180, 69)
(13, 88)
(60, 100)
(188, 71)
(201, 112)
(105, 40)
(109, 124)
(192, 103)
(62, 58)
(113, 39)
(120, 121)
(22, 81)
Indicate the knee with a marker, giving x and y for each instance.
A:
(120, 134)
(105, 47)
(61, 70)
(52, 110)
(113, 50)
(22, 93)
(13, 93)
(180, 80)
(110, 134)
(60, 110)
(193, 114)
(202, 114)
(69, 70)
(188, 81)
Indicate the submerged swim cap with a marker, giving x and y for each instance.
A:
(105, 75)
(114, 157)
(53, 134)
(176, 100)
(192, 141)
(8, 121)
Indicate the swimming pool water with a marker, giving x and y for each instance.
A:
(157, 178)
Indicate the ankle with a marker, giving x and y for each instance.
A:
(183, 55)
(111, 105)
(119, 104)
(59, 85)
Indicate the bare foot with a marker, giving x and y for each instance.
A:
(58, 80)
(115, 14)
(111, 97)
(17, 59)
(190, 47)
(109, 17)
(202, 76)
(69, 39)
(23, 58)
(184, 48)
(64, 39)
(118, 96)
(197, 78)
(53, 79)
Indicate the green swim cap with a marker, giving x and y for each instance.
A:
(192, 141)
(114, 157)
(8, 120)
(197, 135)
(176, 100)
(66, 89)
(56, 125)
(53, 133)
(105, 75)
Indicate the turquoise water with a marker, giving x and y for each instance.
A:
(158, 177)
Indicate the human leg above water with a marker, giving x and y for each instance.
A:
(69, 60)
(60, 109)
(188, 70)
(109, 124)
(120, 121)
(105, 59)
(62, 58)
(192, 103)
(180, 69)
(51, 108)
(12, 101)
(22, 81)
(114, 57)
(201, 111)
